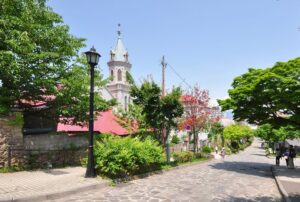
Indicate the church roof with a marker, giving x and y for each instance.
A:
(119, 52)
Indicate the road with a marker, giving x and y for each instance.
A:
(245, 176)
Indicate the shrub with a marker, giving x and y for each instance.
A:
(206, 149)
(18, 120)
(120, 157)
(234, 146)
(227, 151)
(182, 157)
(199, 155)
(175, 139)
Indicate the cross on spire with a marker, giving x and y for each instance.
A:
(119, 30)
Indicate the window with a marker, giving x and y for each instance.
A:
(119, 75)
(126, 57)
(112, 55)
(112, 74)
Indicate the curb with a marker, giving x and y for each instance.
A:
(56, 195)
(280, 186)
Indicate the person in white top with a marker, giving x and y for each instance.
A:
(223, 152)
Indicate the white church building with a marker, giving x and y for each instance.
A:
(118, 65)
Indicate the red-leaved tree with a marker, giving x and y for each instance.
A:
(196, 111)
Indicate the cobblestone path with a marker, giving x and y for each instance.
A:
(242, 177)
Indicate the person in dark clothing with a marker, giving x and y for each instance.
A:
(278, 156)
(292, 155)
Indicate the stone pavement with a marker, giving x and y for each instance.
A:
(288, 181)
(45, 184)
(242, 177)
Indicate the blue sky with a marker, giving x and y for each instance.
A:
(208, 42)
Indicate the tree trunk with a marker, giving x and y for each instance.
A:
(168, 155)
(223, 140)
(189, 139)
(195, 139)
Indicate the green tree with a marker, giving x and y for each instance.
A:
(272, 135)
(72, 98)
(267, 96)
(171, 109)
(134, 121)
(216, 130)
(38, 61)
(147, 97)
(36, 50)
(235, 133)
(159, 112)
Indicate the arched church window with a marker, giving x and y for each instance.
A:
(119, 75)
(112, 56)
(126, 57)
(112, 74)
(125, 103)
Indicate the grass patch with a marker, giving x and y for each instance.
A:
(175, 164)
(17, 121)
(11, 170)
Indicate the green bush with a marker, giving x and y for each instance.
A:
(175, 139)
(18, 120)
(12, 169)
(227, 151)
(206, 149)
(120, 157)
(182, 157)
(234, 147)
(199, 155)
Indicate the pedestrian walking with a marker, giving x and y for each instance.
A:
(223, 153)
(216, 149)
(292, 155)
(278, 156)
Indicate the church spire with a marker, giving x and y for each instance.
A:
(119, 53)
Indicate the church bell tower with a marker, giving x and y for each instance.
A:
(119, 65)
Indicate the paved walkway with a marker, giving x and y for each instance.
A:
(242, 177)
(42, 185)
(289, 181)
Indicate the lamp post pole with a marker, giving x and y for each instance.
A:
(92, 58)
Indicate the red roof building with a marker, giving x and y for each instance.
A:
(106, 122)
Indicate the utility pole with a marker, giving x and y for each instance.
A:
(163, 65)
(165, 132)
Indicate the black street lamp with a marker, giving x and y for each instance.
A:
(92, 58)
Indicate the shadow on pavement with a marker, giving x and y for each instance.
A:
(55, 172)
(284, 171)
(294, 198)
(249, 168)
(261, 199)
(259, 155)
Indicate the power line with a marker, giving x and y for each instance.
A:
(182, 79)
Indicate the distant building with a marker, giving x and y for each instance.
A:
(215, 112)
